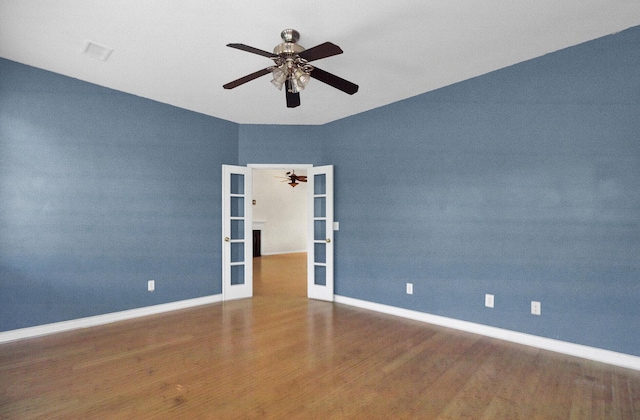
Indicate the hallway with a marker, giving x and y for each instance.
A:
(280, 275)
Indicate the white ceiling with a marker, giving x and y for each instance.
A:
(174, 51)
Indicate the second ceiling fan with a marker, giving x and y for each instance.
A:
(293, 178)
(291, 67)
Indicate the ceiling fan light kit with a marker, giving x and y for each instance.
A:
(291, 67)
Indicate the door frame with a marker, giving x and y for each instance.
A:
(279, 166)
(311, 241)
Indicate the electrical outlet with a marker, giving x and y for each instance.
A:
(409, 288)
(488, 300)
(151, 285)
(535, 308)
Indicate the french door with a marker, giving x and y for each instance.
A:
(320, 233)
(237, 233)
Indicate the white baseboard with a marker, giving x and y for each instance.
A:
(572, 349)
(93, 321)
(578, 350)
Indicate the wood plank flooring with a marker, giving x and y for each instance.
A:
(280, 275)
(282, 356)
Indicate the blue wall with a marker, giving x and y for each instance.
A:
(281, 144)
(101, 191)
(524, 183)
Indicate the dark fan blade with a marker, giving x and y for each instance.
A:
(320, 51)
(335, 81)
(252, 50)
(293, 99)
(246, 78)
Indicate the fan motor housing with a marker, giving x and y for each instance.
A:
(290, 45)
(288, 48)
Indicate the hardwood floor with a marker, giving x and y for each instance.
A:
(280, 275)
(282, 356)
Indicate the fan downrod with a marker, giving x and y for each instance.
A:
(290, 35)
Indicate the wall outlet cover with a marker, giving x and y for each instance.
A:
(535, 307)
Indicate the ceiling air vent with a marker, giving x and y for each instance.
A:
(97, 51)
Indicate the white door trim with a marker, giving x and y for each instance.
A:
(279, 166)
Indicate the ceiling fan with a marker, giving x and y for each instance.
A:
(291, 67)
(293, 178)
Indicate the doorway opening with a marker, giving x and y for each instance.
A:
(280, 231)
(237, 252)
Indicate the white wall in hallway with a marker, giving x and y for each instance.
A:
(283, 208)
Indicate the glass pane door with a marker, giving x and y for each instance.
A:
(237, 258)
(320, 225)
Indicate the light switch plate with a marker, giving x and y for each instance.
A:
(488, 300)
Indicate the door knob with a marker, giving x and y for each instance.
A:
(226, 239)
(328, 240)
